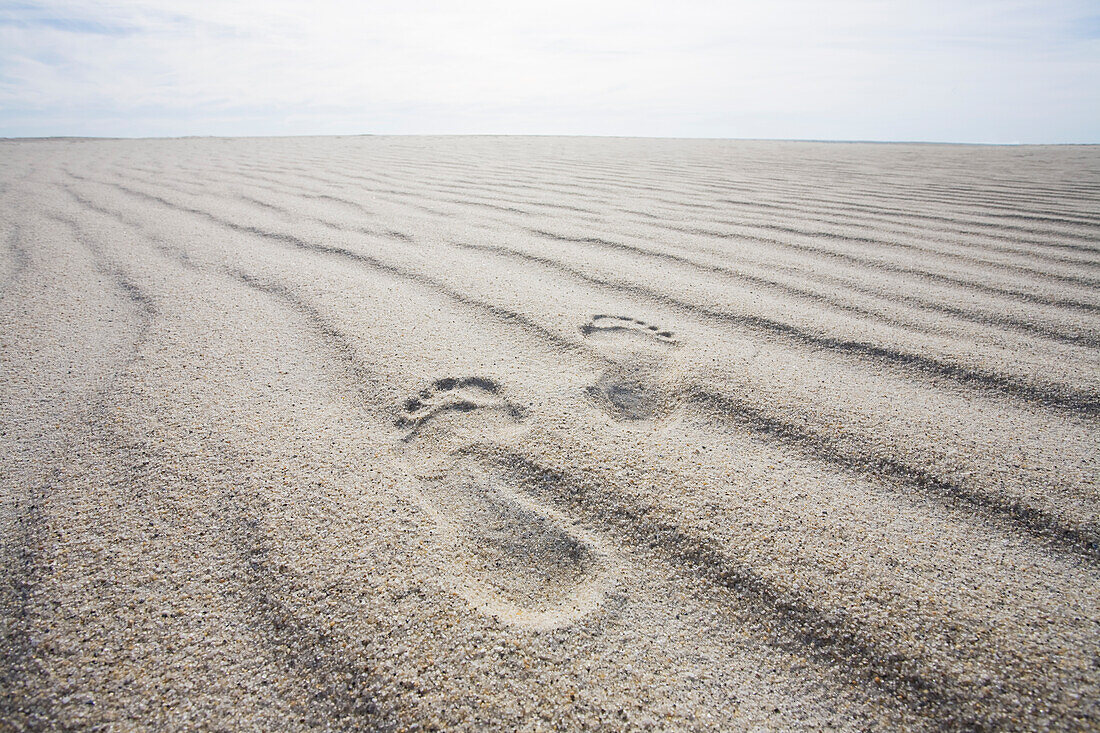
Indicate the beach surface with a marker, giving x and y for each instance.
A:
(413, 433)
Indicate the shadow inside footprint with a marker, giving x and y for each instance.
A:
(514, 558)
(623, 396)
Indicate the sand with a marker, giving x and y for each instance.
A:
(548, 434)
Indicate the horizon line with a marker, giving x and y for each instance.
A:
(841, 141)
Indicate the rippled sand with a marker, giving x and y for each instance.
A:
(402, 433)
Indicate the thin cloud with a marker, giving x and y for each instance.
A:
(845, 69)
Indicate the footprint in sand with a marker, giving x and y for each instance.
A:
(632, 326)
(434, 408)
(509, 556)
(627, 390)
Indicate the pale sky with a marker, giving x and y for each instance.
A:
(952, 70)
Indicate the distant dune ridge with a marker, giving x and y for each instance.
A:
(548, 433)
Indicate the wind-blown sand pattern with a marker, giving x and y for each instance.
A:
(396, 433)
